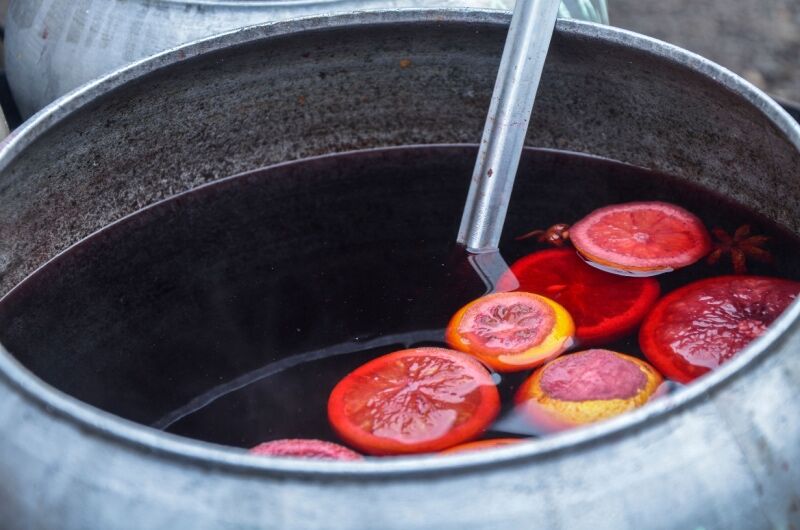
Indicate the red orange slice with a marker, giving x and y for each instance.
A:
(414, 401)
(482, 445)
(699, 326)
(641, 238)
(604, 306)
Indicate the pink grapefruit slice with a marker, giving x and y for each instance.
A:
(305, 448)
(586, 387)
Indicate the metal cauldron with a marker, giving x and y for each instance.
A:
(722, 453)
(54, 46)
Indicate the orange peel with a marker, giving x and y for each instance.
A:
(586, 387)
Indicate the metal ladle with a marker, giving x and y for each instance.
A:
(518, 77)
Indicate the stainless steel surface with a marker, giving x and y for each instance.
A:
(54, 46)
(506, 125)
(723, 453)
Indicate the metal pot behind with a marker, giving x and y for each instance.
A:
(54, 46)
(720, 454)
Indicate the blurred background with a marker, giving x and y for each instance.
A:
(758, 39)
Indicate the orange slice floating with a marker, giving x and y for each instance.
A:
(511, 331)
(305, 448)
(586, 387)
(481, 445)
(605, 307)
(702, 325)
(641, 238)
(414, 401)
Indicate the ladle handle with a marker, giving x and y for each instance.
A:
(507, 123)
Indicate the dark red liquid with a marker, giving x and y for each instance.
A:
(229, 313)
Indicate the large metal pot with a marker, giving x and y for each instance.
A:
(53, 46)
(723, 453)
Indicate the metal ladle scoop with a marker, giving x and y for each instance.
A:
(524, 53)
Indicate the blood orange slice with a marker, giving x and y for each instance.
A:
(305, 448)
(641, 238)
(699, 326)
(414, 401)
(511, 331)
(481, 445)
(586, 387)
(605, 307)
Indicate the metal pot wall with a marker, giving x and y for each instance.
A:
(54, 46)
(722, 453)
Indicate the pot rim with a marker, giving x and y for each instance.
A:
(246, 4)
(139, 437)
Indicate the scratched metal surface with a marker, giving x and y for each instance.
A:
(53, 46)
(723, 453)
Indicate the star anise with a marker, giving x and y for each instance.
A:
(556, 235)
(740, 247)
